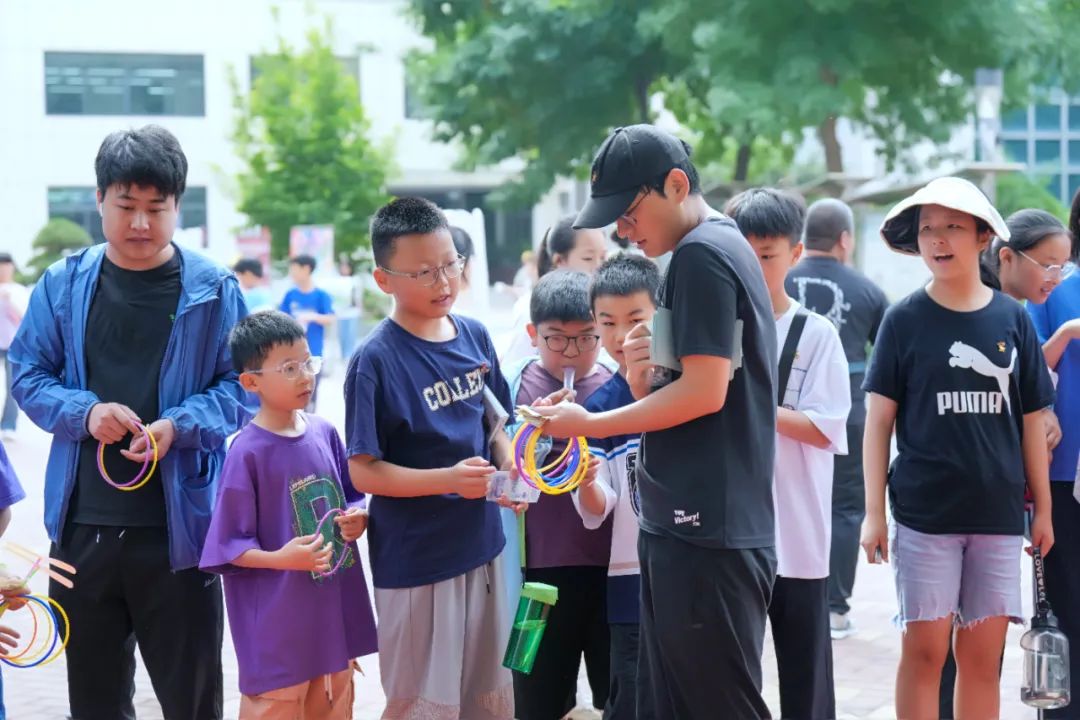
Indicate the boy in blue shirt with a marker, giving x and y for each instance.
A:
(417, 444)
(135, 330)
(312, 306)
(623, 295)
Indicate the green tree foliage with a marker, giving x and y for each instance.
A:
(1016, 191)
(542, 81)
(302, 135)
(59, 238)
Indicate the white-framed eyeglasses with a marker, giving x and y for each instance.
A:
(1052, 272)
(291, 370)
(430, 277)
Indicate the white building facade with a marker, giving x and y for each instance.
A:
(75, 70)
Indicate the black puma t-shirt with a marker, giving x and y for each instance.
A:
(963, 382)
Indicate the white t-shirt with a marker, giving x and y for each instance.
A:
(14, 298)
(818, 386)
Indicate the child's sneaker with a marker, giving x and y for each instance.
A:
(840, 626)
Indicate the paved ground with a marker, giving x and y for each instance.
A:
(865, 663)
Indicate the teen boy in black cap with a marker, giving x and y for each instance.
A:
(705, 471)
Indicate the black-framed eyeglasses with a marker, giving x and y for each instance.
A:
(1051, 272)
(430, 277)
(291, 370)
(561, 343)
(628, 216)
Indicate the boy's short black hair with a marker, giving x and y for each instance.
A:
(6, 259)
(562, 295)
(400, 217)
(249, 265)
(305, 260)
(768, 213)
(252, 339)
(623, 275)
(148, 157)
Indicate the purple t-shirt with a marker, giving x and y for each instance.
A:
(11, 491)
(419, 404)
(288, 626)
(554, 533)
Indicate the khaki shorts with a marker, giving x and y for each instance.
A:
(327, 697)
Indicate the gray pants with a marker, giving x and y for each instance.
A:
(441, 648)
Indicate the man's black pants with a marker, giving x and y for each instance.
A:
(125, 593)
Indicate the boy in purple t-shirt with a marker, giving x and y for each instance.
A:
(414, 423)
(10, 493)
(559, 550)
(283, 535)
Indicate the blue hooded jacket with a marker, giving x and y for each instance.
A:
(197, 387)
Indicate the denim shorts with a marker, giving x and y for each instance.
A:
(972, 577)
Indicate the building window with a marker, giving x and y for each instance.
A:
(123, 84)
(349, 63)
(1046, 139)
(1015, 150)
(79, 204)
(1048, 153)
(1015, 120)
(1048, 117)
(415, 109)
(1074, 185)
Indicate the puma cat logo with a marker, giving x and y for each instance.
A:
(965, 356)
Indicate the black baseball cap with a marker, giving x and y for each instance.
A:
(630, 158)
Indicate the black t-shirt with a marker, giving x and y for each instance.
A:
(709, 481)
(963, 382)
(853, 303)
(127, 332)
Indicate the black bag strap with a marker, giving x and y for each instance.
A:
(787, 355)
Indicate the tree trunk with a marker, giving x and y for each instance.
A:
(641, 95)
(742, 163)
(834, 160)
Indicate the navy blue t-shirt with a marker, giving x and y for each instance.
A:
(962, 382)
(419, 404)
(318, 301)
(621, 451)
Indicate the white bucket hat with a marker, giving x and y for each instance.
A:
(900, 229)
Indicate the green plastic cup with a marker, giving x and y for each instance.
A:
(530, 622)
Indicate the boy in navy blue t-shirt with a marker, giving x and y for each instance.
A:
(415, 435)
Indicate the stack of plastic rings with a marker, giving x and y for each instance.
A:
(318, 531)
(143, 477)
(47, 616)
(561, 476)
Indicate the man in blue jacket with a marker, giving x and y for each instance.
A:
(135, 331)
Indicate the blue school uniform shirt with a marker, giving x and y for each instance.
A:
(419, 404)
(620, 452)
(319, 301)
(1062, 306)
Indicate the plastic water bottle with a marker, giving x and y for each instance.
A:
(536, 602)
(1046, 682)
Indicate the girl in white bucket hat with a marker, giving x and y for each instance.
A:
(958, 370)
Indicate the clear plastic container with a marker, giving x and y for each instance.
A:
(1046, 683)
(1046, 668)
(536, 602)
